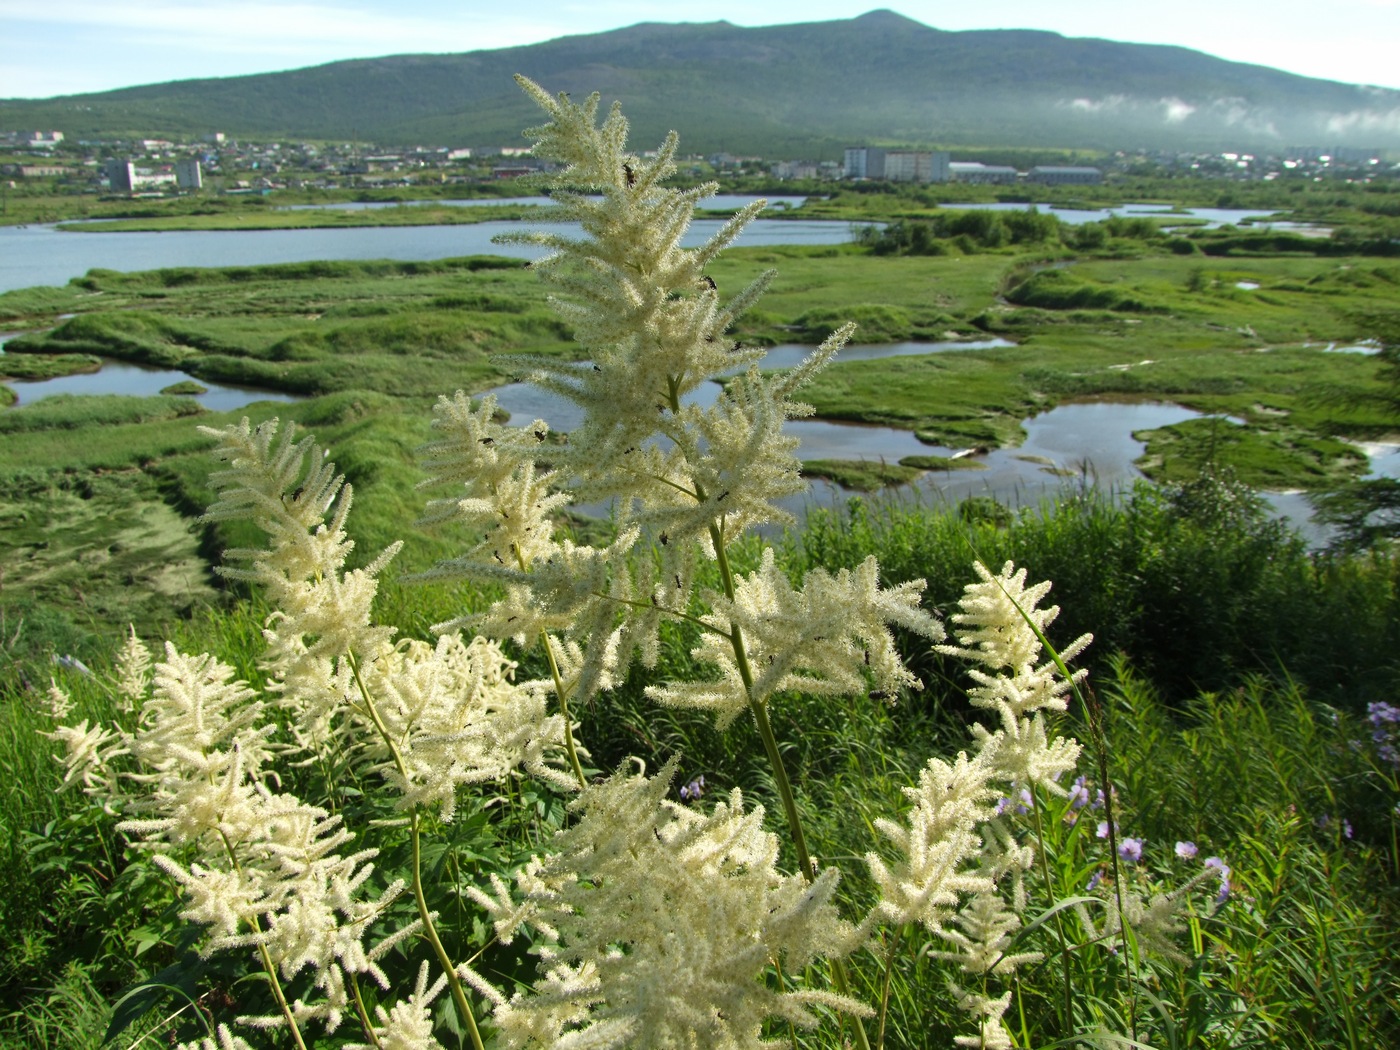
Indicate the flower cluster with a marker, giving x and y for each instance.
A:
(442, 716)
(657, 923)
(269, 873)
(1384, 720)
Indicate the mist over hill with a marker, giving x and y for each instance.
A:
(782, 91)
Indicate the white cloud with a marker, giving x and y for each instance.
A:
(1090, 105)
(1175, 110)
(1367, 121)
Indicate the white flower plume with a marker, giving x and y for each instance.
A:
(659, 923)
(286, 487)
(823, 639)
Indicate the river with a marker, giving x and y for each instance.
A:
(46, 255)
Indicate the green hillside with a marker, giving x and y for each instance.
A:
(794, 90)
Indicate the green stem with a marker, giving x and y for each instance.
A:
(649, 606)
(775, 759)
(563, 696)
(559, 689)
(363, 1013)
(765, 727)
(266, 957)
(454, 982)
(885, 988)
(1068, 1024)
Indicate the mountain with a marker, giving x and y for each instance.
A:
(782, 91)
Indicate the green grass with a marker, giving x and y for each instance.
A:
(332, 218)
(945, 463)
(28, 366)
(860, 475)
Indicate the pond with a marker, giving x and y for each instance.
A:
(1090, 440)
(1068, 446)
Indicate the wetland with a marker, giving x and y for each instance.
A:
(1013, 360)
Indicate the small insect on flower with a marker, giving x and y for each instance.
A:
(629, 175)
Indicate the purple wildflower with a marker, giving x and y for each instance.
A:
(1224, 869)
(1381, 713)
(1079, 794)
(1102, 830)
(1186, 850)
(1094, 881)
(1130, 849)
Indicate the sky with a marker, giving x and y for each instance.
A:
(64, 47)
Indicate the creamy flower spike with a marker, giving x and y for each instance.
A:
(688, 479)
(270, 875)
(962, 853)
(823, 639)
(133, 672)
(658, 922)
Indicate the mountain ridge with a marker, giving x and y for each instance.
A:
(788, 90)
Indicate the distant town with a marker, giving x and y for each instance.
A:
(219, 163)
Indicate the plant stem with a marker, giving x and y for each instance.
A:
(268, 965)
(1068, 1023)
(563, 696)
(363, 1013)
(885, 988)
(459, 994)
(775, 759)
(559, 689)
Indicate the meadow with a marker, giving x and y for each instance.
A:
(1240, 687)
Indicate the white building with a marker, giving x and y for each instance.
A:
(188, 174)
(983, 174)
(864, 162)
(916, 166)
